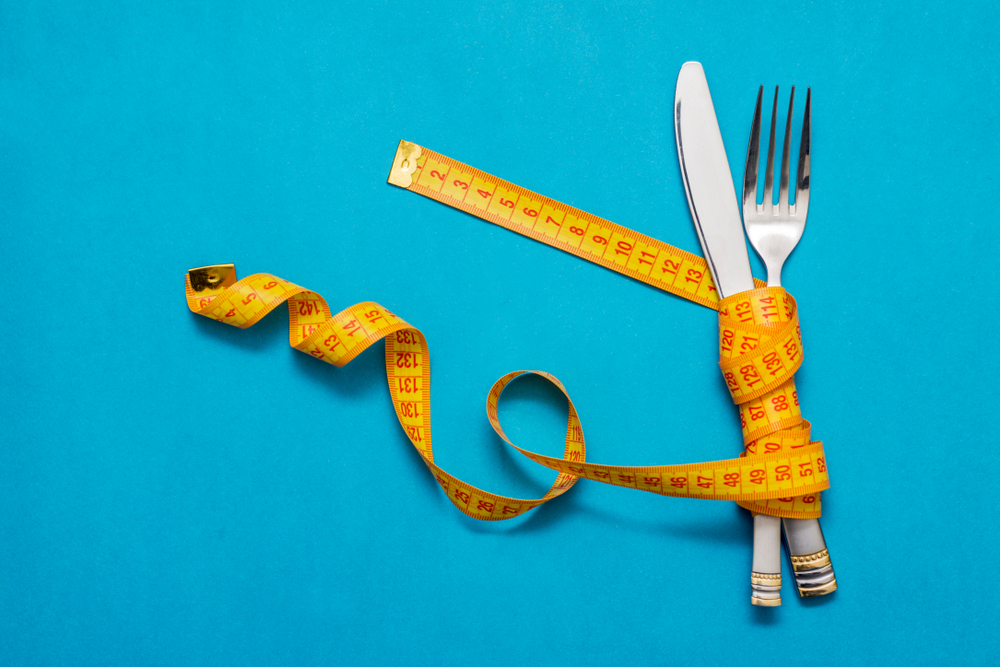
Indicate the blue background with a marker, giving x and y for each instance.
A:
(173, 491)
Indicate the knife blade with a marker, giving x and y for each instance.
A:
(711, 196)
(708, 183)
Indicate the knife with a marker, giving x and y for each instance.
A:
(711, 197)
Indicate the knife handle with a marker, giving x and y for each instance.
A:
(765, 579)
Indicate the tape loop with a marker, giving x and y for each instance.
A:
(755, 479)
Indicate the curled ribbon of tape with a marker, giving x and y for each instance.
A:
(754, 479)
(760, 345)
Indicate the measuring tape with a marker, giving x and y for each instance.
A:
(577, 232)
(781, 471)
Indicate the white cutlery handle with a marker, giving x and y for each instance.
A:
(765, 580)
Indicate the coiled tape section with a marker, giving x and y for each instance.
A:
(755, 479)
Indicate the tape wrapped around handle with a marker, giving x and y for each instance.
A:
(760, 349)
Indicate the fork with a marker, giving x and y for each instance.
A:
(774, 230)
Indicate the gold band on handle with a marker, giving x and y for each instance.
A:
(765, 589)
(814, 574)
(811, 561)
(765, 602)
(816, 591)
(761, 579)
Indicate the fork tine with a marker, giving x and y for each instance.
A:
(769, 174)
(802, 181)
(753, 159)
(783, 186)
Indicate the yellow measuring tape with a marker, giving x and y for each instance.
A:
(781, 471)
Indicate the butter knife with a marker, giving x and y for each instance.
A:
(711, 197)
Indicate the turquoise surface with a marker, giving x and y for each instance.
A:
(177, 492)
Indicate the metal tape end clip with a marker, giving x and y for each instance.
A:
(212, 279)
(404, 164)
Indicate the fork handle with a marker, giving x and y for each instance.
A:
(810, 558)
(774, 274)
(804, 542)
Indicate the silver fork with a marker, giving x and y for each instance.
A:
(774, 231)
